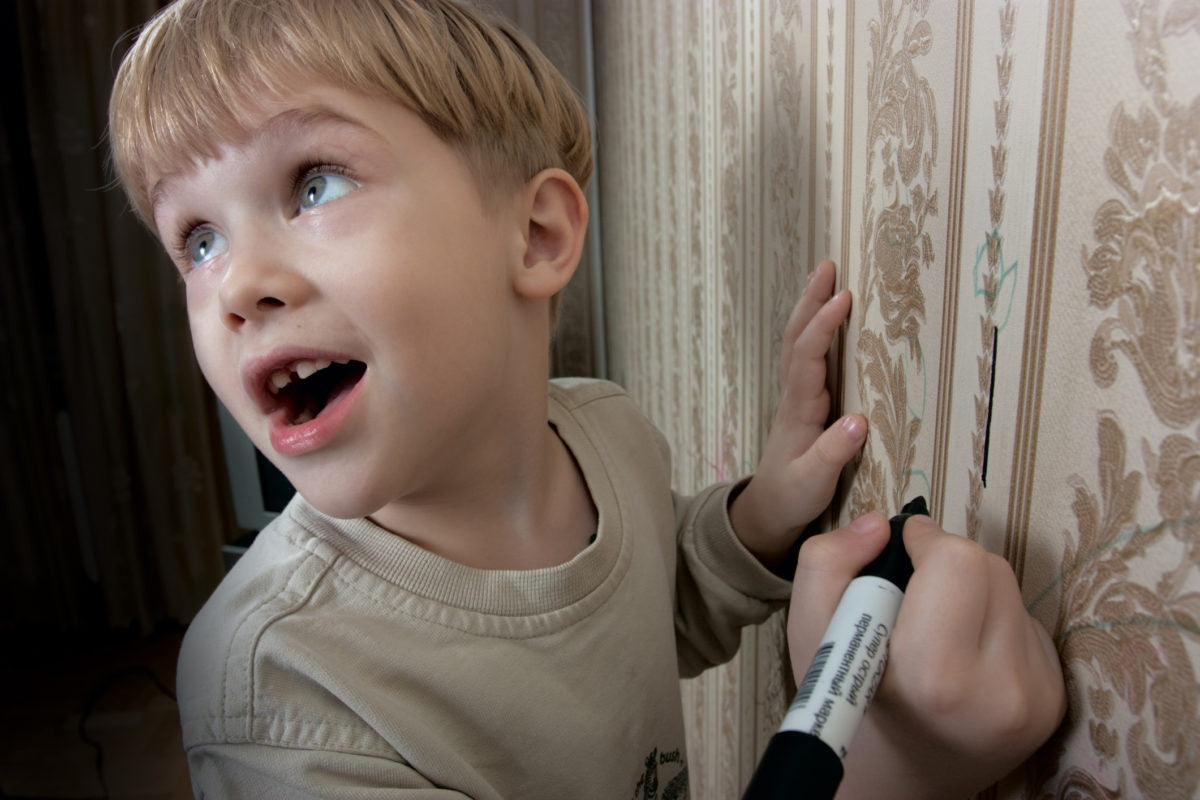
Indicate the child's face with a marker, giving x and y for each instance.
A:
(343, 230)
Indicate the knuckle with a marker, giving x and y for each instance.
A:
(1013, 714)
(827, 452)
(936, 692)
(964, 555)
(818, 553)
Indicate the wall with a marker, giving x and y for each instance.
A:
(704, 188)
(562, 30)
(1011, 190)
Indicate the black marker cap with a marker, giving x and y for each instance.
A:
(795, 765)
(893, 564)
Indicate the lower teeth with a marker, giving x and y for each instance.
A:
(305, 416)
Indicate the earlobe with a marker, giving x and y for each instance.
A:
(556, 222)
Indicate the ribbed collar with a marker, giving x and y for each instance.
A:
(569, 589)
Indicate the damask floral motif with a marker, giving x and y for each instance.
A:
(1124, 644)
(1081, 786)
(898, 264)
(1127, 644)
(1146, 267)
(1146, 264)
(1175, 472)
(890, 418)
(870, 488)
(902, 139)
(904, 98)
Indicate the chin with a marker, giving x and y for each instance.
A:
(337, 507)
(337, 499)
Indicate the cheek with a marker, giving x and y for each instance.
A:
(209, 362)
(207, 332)
(200, 289)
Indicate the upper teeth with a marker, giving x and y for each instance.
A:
(297, 370)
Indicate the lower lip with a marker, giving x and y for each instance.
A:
(297, 440)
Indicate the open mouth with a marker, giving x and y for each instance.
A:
(306, 387)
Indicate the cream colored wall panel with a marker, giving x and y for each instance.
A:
(904, 145)
(702, 128)
(1008, 53)
(828, 110)
(1118, 461)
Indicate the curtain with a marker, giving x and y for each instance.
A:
(114, 497)
(1010, 187)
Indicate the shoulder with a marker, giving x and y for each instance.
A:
(605, 409)
(580, 392)
(609, 435)
(230, 653)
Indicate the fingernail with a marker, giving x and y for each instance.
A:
(853, 426)
(862, 524)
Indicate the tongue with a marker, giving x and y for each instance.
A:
(325, 388)
(342, 390)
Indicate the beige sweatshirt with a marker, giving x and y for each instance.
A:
(338, 660)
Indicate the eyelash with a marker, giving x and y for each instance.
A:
(179, 242)
(310, 169)
(306, 170)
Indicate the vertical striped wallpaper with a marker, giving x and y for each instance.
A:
(1012, 190)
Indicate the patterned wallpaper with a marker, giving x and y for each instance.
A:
(1012, 190)
(704, 186)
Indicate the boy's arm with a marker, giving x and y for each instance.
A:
(802, 459)
(724, 580)
(973, 684)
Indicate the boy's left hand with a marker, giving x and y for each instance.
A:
(973, 683)
(802, 459)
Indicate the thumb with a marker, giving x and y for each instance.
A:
(826, 565)
(820, 466)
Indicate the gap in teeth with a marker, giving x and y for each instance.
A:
(298, 370)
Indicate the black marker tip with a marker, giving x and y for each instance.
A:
(893, 564)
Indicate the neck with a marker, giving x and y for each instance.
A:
(506, 496)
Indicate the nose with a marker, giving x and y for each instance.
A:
(258, 284)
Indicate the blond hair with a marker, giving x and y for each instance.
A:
(200, 69)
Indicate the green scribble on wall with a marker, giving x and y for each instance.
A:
(1002, 299)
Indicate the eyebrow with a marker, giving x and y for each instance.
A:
(292, 118)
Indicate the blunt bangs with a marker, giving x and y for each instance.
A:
(201, 71)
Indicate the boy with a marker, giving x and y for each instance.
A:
(485, 587)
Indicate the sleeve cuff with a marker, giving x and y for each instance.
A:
(721, 552)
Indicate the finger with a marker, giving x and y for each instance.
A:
(946, 566)
(1006, 623)
(826, 565)
(804, 367)
(816, 292)
(1044, 662)
(1027, 698)
(1013, 638)
(817, 289)
(820, 466)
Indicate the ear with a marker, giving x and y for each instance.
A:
(554, 217)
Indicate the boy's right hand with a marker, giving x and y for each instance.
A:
(973, 683)
(802, 459)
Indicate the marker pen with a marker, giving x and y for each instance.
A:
(804, 758)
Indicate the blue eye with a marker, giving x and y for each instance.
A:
(324, 187)
(203, 244)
